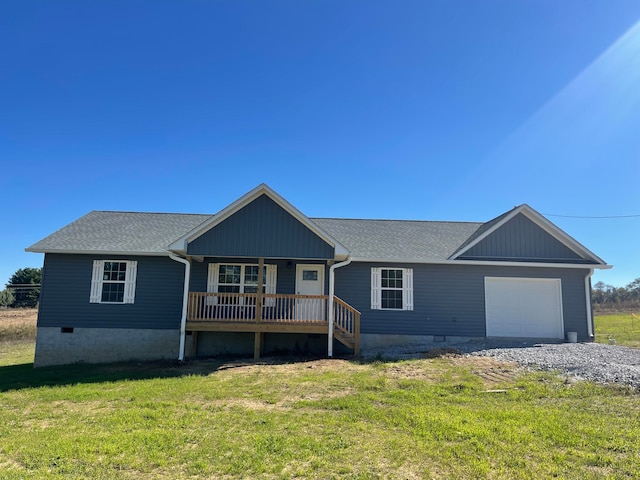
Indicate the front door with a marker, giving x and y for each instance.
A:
(310, 281)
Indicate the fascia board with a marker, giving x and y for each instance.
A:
(181, 244)
(513, 213)
(493, 263)
(559, 234)
(543, 223)
(98, 252)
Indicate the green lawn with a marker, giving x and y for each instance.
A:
(623, 328)
(429, 418)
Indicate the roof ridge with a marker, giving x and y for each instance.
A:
(397, 220)
(153, 213)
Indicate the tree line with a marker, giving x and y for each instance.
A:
(23, 289)
(604, 295)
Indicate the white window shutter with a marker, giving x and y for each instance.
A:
(212, 282)
(96, 281)
(375, 289)
(130, 281)
(270, 287)
(407, 290)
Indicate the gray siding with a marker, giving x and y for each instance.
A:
(520, 238)
(449, 299)
(261, 229)
(64, 300)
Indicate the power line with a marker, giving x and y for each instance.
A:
(587, 216)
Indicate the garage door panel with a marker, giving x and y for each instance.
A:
(523, 307)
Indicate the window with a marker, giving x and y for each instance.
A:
(311, 275)
(391, 288)
(113, 281)
(241, 278)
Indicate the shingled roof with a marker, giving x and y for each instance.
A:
(152, 233)
(399, 240)
(114, 232)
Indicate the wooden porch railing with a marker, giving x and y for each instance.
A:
(346, 322)
(241, 307)
(276, 308)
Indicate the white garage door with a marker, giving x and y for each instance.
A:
(523, 307)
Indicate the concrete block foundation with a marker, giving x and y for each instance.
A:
(60, 346)
(369, 341)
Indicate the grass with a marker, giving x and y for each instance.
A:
(428, 418)
(624, 328)
(17, 335)
(445, 417)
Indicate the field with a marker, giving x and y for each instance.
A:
(17, 335)
(445, 417)
(623, 328)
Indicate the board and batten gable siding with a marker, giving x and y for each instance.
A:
(64, 298)
(520, 238)
(261, 229)
(449, 300)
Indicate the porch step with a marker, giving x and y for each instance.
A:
(347, 340)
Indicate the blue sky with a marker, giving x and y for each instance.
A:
(436, 110)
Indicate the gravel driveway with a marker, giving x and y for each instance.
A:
(591, 361)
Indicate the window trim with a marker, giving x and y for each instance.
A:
(269, 286)
(97, 282)
(376, 288)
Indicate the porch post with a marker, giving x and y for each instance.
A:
(257, 345)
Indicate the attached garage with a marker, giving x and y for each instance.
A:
(524, 307)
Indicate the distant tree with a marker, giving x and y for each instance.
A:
(633, 290)
(24, 295)
(6, 298)
(608, 296)
(598, 293)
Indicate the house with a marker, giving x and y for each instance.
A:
(260, 276)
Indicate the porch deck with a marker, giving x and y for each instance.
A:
(281, 313)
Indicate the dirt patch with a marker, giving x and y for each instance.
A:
(281, 365)
(490, 370)
(441, 352)
(413, 371)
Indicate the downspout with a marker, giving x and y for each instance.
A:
(185, 300)
(587, 293)
(331, 293)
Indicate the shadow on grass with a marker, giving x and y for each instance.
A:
(24, 376)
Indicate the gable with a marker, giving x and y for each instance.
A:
(522, 239)
(262, 228)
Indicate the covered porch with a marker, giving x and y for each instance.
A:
(261, 266)
(261, 313)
